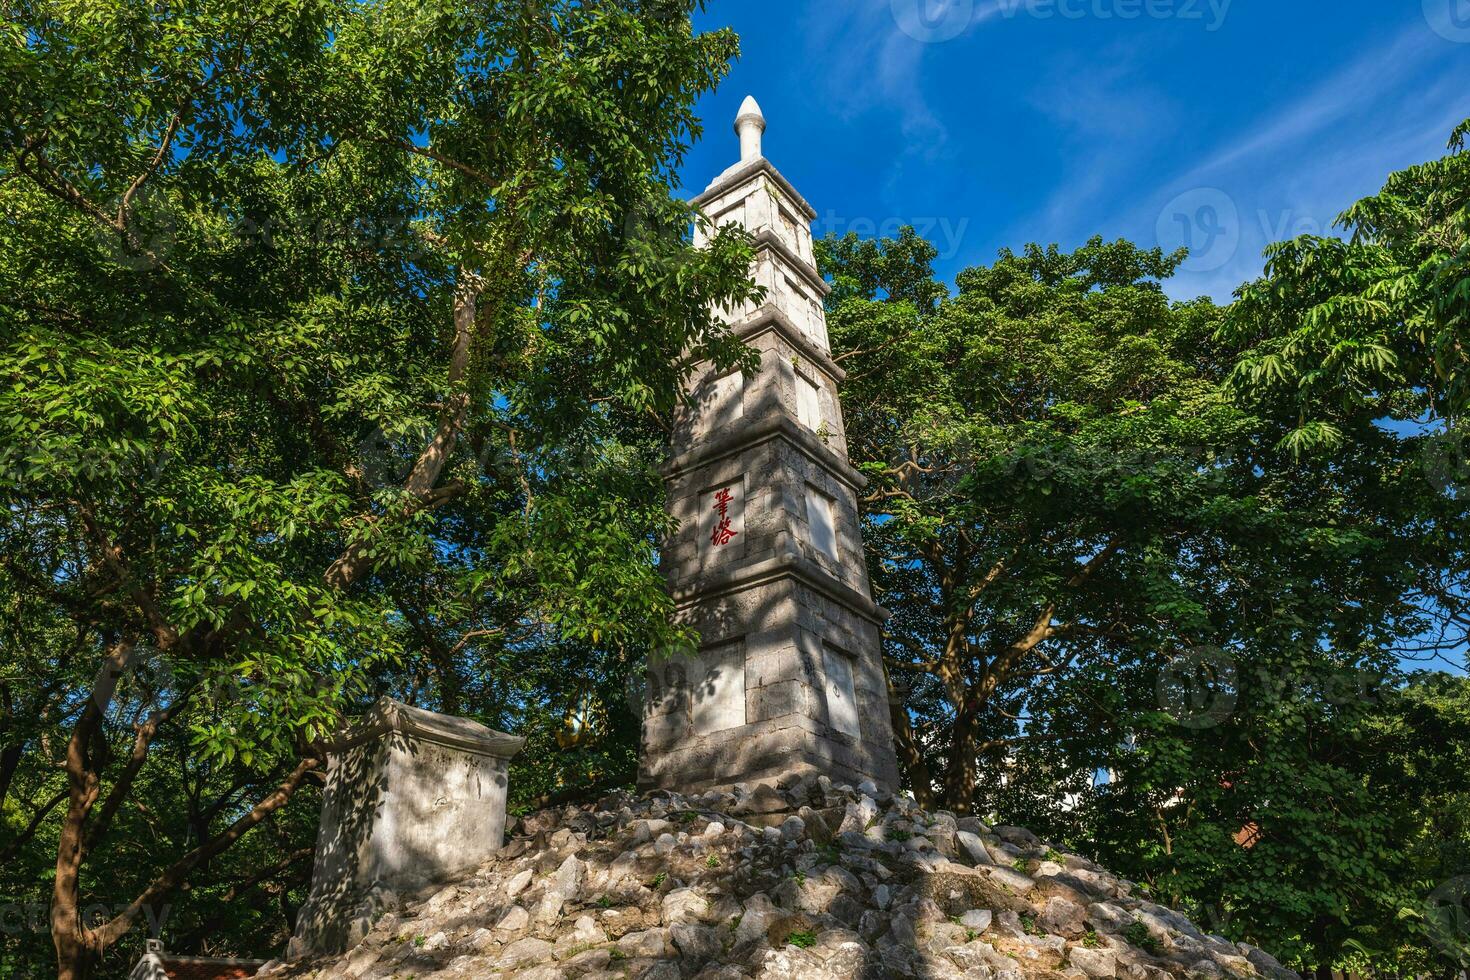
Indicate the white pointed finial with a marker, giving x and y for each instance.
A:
(750, 123)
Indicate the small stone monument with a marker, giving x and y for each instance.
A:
(412, 797)
(767, 564)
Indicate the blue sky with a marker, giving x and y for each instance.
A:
(991, 123)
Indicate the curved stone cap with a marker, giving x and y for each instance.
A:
(389, 715)
(750, 111)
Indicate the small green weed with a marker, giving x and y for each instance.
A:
(1139, 936)
(802, 940)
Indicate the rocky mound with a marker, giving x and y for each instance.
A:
(809, 880)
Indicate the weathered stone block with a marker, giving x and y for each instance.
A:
(412, 797)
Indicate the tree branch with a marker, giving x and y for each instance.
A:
(125, 205)
(177, 872)
(419, 486)
(142, 740)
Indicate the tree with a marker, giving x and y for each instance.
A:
(1106, 550)
(1376, 318)
(1315, 812)
(1060, 477)
(1372, 324)
(320, 325)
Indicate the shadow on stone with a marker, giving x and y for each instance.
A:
(412, 798)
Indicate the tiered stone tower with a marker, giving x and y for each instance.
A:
(768, 562)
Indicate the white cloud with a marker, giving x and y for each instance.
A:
(1292, 172)
(1341, 97)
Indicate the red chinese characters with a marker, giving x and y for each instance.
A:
(724, 533)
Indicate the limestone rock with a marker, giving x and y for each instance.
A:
(524, 952)
(696, 942)
(974, 847)
(1063, 918)
(1012, 879)
(1101, 963)
(1019, 836)
(518, 884)
(514, 921)
(977, 919)
(566, 885)
(683, 905)
(649, 944)
(593, 897)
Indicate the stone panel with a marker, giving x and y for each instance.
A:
(841, 695)
(717, 699)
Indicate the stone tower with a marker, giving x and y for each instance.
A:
(768, 562)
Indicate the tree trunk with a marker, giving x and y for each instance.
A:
(910, 756)
(74, 958)
(961, 771)
(9, 761)
(75, 945)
